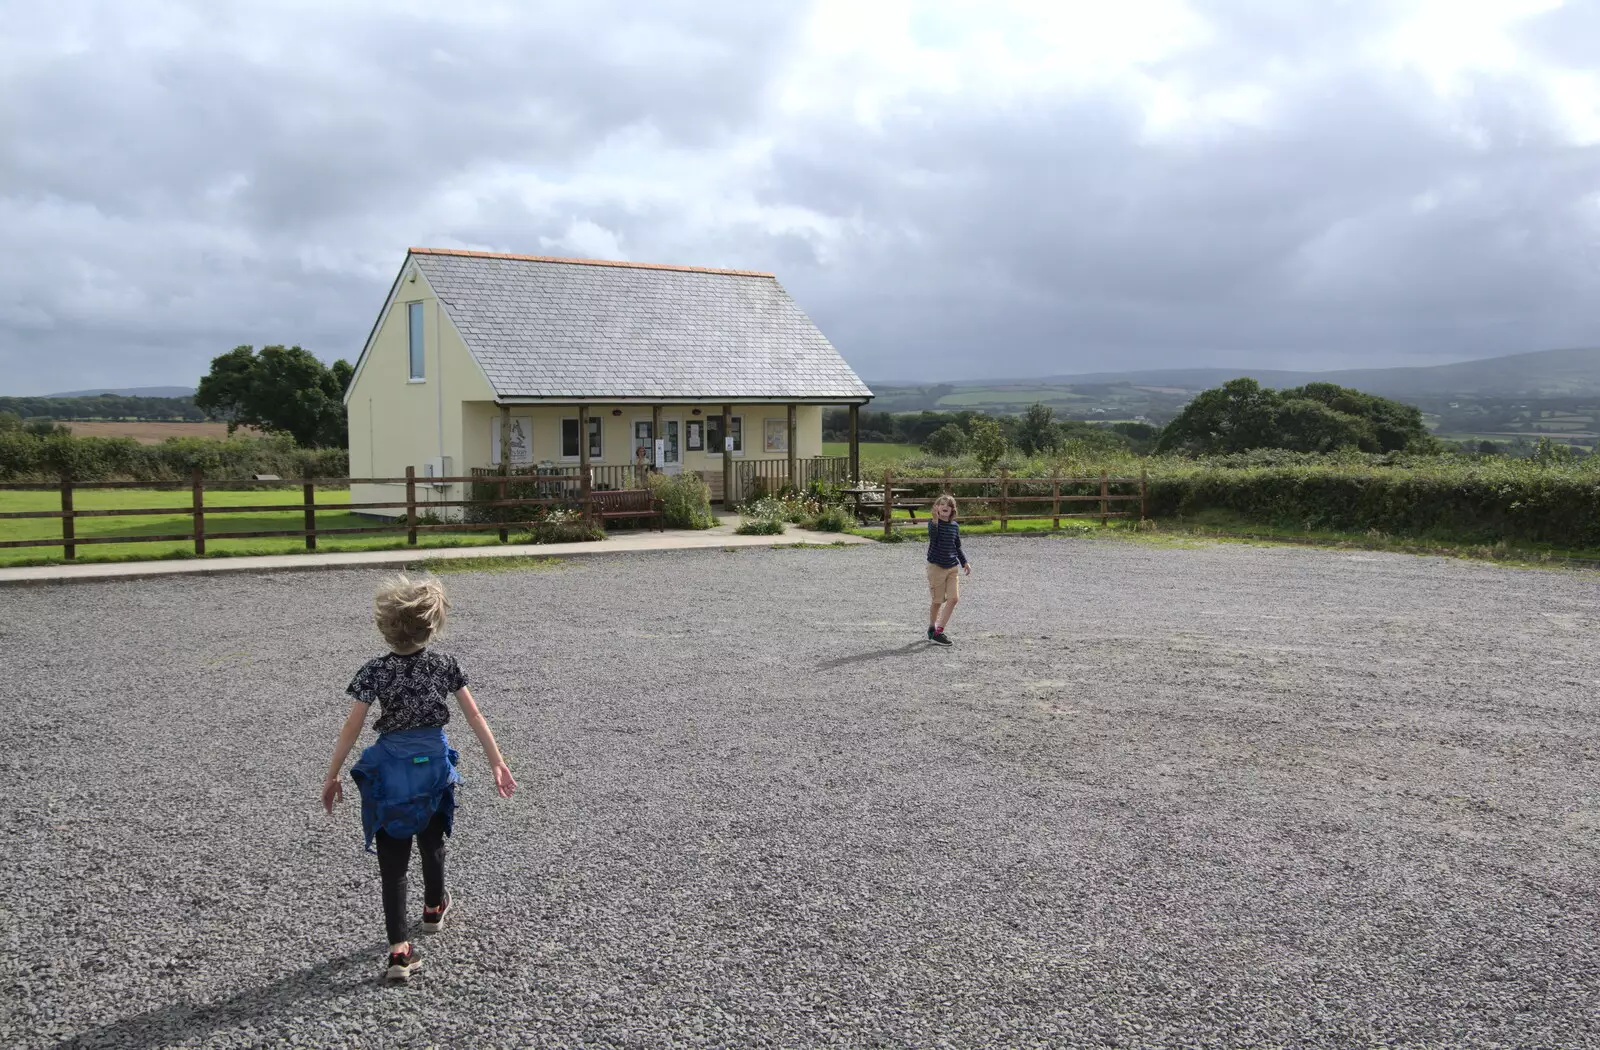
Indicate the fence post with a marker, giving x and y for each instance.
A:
(198, 487)
(1143, 477)
(501, 511)
(69, 528)
(309, 494)
(949, 489)
(1005, 504)
(586, 492)
(1055, 497)
(411, 506)
(888, 501)
(1105, 507)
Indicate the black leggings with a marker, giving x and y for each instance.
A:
(394, 857)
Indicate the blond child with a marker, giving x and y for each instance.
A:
(407, 778)
(945, 560)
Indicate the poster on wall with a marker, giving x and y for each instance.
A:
(695, 435)
(521, 440)
(777, 435)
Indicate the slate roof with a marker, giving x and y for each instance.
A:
(560, 328)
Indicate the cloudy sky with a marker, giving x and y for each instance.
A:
(951, 189)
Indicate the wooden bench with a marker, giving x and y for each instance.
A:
(629, 503)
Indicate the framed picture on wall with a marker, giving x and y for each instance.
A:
(695, 435)
(777, 435)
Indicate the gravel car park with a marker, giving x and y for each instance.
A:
(1154, 796)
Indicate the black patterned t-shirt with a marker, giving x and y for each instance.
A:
(411, 690)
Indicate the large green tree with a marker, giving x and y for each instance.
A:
(284, 390)
(1241, 414)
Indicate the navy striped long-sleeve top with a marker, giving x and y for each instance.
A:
(944, 544)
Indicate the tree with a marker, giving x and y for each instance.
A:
(949, 441)
(1235, 416)
(1036, 431)
(284, 390)
(1318, 417)
(986, 442)
(1305, 425)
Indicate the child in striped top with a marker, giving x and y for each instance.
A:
(945, 560)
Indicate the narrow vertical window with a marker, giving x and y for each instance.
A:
(414, 323)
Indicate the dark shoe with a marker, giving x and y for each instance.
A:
(403, 964)
(931, 633)
(433, 920)
(940, 639)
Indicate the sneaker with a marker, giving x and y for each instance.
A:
(940, 638)
(931, 633)
(403, 964)
(433, 921)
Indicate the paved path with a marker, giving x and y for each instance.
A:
(672, 539)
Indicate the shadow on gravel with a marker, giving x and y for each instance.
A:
(880, 654)
(254, 1008)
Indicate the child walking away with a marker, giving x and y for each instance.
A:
(407, 779)
(944, 558)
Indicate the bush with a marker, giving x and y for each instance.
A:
(948, 440)
(685, 498)
(760, 527)
(564, 526)
(46, 457)
(831, 518)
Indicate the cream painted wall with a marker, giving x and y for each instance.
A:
(396, 422)
(482, 419)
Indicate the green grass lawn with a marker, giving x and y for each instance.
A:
(217, 523)
(875, 455)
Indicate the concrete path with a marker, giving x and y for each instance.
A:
(672, 539)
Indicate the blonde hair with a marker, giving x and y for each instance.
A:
(410, 612)
(945, 497)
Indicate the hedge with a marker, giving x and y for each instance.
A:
(45, 458)
(1486, 499)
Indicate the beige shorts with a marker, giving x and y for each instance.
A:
(944, 585)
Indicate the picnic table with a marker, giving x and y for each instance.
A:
(858, 492)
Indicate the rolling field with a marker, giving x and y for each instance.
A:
(875, 455)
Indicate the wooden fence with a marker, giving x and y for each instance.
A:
(568, 490)
(1012, 492)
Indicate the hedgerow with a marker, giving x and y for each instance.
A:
(1485, 499)
(49, 457)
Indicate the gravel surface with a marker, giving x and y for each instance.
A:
(1224, 796)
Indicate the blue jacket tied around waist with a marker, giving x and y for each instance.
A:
(405, 779)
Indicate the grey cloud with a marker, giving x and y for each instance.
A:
(165, 203)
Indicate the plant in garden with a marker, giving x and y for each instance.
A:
(830, 518)
(563, 525)
(760, 527)
(685, 500)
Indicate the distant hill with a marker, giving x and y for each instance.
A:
(129, 391)
(1542, 373)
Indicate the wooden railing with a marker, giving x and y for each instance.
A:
(602, 476)
(749, 475)
(1010, 492)
(570, 490)
(771, 475)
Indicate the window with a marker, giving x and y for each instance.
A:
(414, 324)
(569, 438)
(714, 434)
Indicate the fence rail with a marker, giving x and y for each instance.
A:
(1007, 496)
(571, 490)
